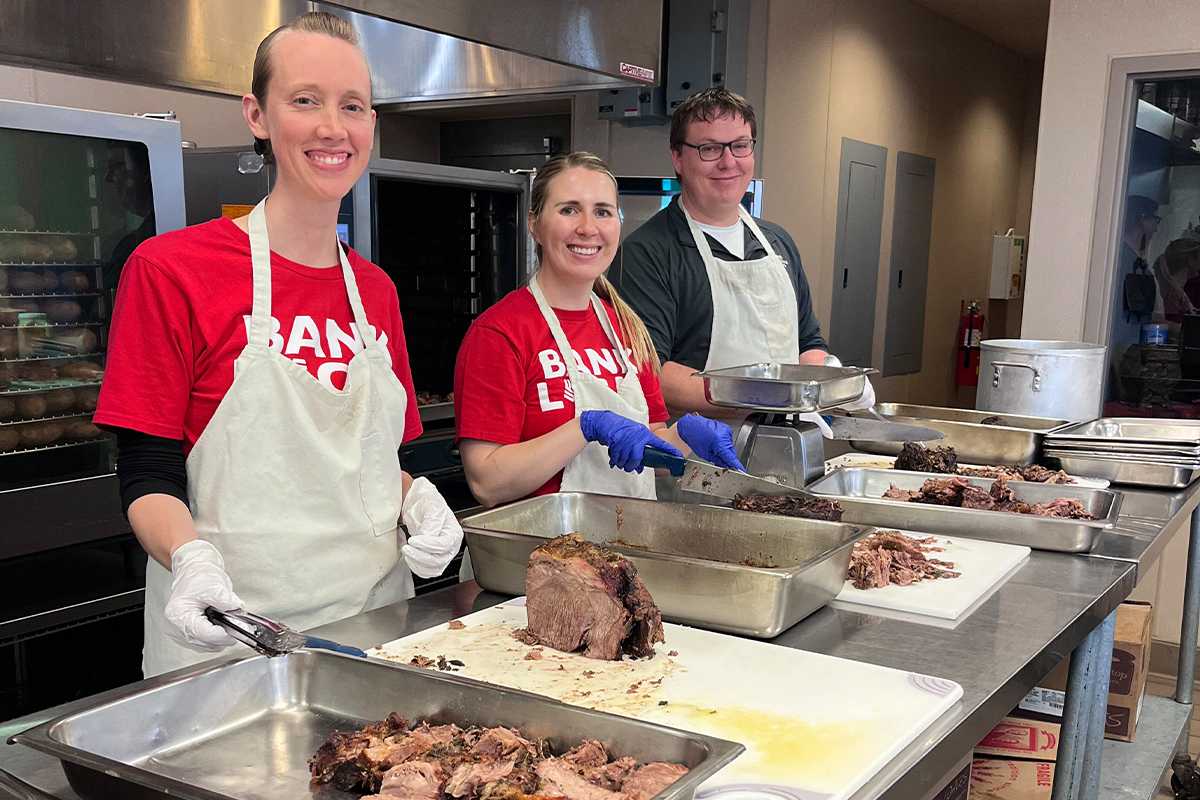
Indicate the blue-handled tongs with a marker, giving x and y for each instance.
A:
(269, 637)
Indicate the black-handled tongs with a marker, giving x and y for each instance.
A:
(269, 637)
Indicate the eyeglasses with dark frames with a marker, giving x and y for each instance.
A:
(713, 151)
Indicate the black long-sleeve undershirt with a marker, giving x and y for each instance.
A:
(149, 465)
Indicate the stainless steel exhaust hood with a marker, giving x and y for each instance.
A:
(449, 49)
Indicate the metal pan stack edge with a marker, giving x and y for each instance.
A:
(1130, 450)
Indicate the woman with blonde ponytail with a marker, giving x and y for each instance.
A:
(556, 386)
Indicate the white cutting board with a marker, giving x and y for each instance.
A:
(982, 564)
(870, 461)
(815, 727)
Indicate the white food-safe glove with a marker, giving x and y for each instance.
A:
(816, 419)
(868, 396)
(863, 403)
(434, 534)
(200, 581)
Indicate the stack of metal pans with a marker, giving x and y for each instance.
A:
(1164, 453)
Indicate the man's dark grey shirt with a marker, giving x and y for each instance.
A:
(659, 272)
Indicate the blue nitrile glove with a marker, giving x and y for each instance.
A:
(624, 438)
(709, 439)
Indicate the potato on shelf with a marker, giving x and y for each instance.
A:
(73, 281)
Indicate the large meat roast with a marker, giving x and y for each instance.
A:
(582, 595)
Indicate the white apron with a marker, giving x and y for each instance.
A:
(589, 471)
(754, 305)
(297, 487)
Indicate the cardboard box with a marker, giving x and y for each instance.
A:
(1127, 681)
(955, 784)
(1014, 737)
(999, 779)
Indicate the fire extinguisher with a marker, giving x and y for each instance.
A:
(970, 334)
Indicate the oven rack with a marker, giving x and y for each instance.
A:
(46, 233)
(79, 324)
(71, 264)
(48, 295)
(10, 392)
(103, 438)
(70, 357)
(49, 418)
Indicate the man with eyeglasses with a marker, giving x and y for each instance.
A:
(716, 287)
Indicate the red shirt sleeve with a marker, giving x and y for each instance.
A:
(489, 388)
(149, 372)
(653, 391)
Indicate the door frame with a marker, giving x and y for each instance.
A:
(1119, 122)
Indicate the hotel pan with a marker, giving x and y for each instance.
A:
(784, 388)
(1018, 441)
(244, 730)
(860, 491)
(707, 566)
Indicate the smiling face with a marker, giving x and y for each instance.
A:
(713, 189)
(317, 114)
(578, 228)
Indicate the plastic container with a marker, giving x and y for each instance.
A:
(1154, 333)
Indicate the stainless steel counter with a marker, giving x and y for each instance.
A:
(997, 653)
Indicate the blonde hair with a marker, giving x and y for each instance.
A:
(633, 330)
(321, 22)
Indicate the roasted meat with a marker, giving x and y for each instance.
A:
(790, 506)
(943, 460)
(582, 595)
(916, 458)
(891, 557)
(481, 764)
(960, 493)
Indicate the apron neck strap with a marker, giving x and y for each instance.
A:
(702, 240)
(260, 260)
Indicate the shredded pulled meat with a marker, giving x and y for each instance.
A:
(790, 506)
(960, 493)
(391, 760)
(943, 460)
(891, 557)
(915, 458)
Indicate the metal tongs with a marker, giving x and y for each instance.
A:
(269, 637)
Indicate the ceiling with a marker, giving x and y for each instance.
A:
(1019, 25)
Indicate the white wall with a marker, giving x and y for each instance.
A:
(1083, 36)
(208, 120)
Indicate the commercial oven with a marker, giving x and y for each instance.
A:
(78, 191)
(452, 239)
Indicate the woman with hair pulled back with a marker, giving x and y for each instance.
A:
(556, 386)
(259, 385)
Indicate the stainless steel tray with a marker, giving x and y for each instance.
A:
(1116, 449)
(1018, 441)
(1179, 433)
(791, 388)
(245, 729)
(431, 412)
(860, 491)
(1160, 474)
(689, 556)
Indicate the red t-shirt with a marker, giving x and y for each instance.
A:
(510, 384)
(181, 316)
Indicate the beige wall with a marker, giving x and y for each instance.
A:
(1079, 45)
(892, 73)
(1066, 193)
(207, 120)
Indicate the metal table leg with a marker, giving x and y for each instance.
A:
(1077, 773)
(1186, 675)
